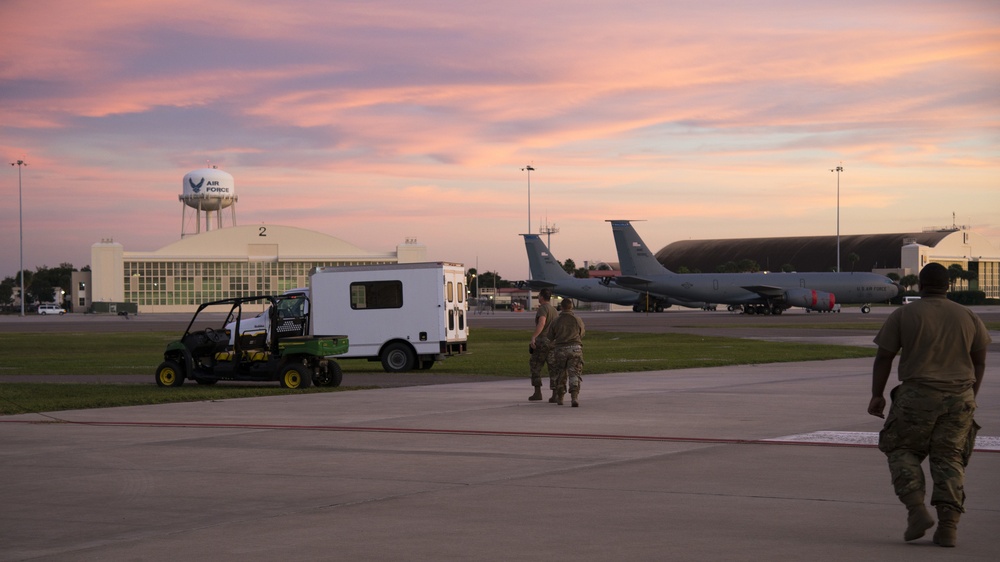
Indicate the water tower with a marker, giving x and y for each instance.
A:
(207, 190)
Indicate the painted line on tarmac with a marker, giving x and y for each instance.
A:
(869, 439)
(814, 439)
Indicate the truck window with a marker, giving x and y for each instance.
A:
(376, 294)
(451, 292)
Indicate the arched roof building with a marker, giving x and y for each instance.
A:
(904, 254)
(217, 264)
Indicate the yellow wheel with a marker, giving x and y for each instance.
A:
(295, 375)
(169, 373)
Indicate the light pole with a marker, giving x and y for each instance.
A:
(528, 169)
(838, 169)
(20, 220)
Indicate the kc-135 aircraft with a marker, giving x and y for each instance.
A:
(547, 273)
(756, 293)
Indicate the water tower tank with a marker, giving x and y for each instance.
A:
(209, 189)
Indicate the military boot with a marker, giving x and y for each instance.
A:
(554, 397)
(559, 398)
(575, 395)
(537, 395)
(947, 529)
(918, 519)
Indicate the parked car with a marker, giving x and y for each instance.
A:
(51, 309)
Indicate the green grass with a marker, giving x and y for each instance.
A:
(22, 398)
(492, 353)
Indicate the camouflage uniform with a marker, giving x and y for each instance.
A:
(566, 358)
(566, 365)
(542, 347)
(932, 408)
(923, 421)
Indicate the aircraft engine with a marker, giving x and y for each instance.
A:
(811, 299)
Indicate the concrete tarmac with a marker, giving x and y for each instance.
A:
(764, 462)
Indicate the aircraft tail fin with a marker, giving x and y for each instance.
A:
(634, 258)
(541, 264)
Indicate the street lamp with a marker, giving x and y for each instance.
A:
(838, 169)
(20, 220)
(528, 169)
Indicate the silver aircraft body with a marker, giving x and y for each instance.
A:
(547, 273)
(767, 293)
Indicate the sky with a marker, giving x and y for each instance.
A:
(378, 121)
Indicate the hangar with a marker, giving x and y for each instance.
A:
(217, 262)
(229, 262)
(903, 254)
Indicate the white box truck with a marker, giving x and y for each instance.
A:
(405, 315)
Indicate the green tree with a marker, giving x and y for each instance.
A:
(6, 293)
(471, 281)
(893, 275)
(748, 266)
(489, 278)
(853, 259)
(909, 281)
(788, 268)
(955, 272)
(569, 266)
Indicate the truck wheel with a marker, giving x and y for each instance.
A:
(169, 373)
(295, 375)
(397, 357)
(333, 376)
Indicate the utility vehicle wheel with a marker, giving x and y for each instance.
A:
(866, 309)
(332, 377)
(295, 375)
(169, 373)
(397, 357)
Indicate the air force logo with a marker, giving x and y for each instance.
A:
(213, 186)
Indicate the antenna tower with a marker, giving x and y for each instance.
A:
(548, 231)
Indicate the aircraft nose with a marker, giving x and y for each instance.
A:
(898, 288)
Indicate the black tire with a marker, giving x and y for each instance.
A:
(169, 374)
(295, 375)
(333, 376)
(398, 357)
(866, 309)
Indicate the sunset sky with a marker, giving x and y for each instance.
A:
(377, 121)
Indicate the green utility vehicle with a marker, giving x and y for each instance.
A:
(281, 350)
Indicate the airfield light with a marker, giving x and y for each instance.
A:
(20, 220)
(528, 169)
(838, 169)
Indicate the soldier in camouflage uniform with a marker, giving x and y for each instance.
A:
(940, 370)
(539, 345)
(566, 357)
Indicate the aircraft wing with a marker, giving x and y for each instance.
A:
(765, 290)
(631, 280)
(538, 284)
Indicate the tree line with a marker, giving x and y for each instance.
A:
(44, 285)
